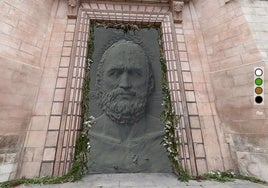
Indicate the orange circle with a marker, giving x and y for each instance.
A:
(258, 90)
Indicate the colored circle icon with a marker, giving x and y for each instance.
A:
(258, 99)
(258, 81)
(258, 90)
(258, 72)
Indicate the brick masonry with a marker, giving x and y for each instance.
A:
(48, 106)
(211, 56)
(22, 38)
(233, 36)
(256, 15)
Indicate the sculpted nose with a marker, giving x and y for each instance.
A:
(125, 82)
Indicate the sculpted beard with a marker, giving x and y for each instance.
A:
(123, 111)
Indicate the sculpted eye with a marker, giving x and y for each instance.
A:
(115, 72)
(135, 72)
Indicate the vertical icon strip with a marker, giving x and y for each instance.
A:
(258, 85)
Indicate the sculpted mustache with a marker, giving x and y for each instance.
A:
(117, 92)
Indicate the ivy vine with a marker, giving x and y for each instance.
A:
(170, 141)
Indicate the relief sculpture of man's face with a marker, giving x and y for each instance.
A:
(127, 132)
(125, 82)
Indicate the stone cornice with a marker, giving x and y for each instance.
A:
(176, 7)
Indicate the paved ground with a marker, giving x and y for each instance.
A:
(142, 180)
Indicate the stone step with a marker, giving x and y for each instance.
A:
(146, 180)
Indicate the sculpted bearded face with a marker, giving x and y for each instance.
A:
(125, 81)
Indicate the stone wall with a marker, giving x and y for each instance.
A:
(216, 150)
(22, 37)
(53, 82)
(234, 45)
(256, 13)
(252, 144)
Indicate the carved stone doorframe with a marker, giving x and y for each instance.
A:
(71, 114)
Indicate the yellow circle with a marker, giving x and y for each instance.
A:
(258, 90)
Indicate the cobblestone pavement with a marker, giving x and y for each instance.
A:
(144, 180)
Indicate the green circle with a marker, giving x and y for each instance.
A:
(258, 81)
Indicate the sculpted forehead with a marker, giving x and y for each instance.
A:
(124, 46)
(125, 53)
